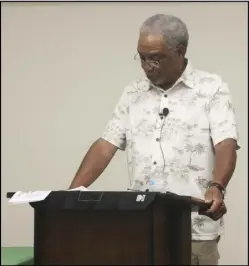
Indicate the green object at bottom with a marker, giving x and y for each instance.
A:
(17, 256)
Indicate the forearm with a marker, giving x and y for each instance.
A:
(225, 162)
(94, 163)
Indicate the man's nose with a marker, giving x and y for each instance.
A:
(148, 67)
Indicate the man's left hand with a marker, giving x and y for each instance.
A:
(218, 208)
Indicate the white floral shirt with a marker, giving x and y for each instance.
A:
(177, 147)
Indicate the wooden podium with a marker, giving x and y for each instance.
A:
(114, 228)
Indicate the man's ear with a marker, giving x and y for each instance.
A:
(181, 50)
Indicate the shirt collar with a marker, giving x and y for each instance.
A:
(187, 78)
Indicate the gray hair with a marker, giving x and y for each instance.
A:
(173, 30)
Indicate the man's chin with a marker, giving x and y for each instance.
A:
(157, 82)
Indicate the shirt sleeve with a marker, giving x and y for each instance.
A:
(222, 116)
(115, 131)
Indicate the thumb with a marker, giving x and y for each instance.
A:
(209, 197)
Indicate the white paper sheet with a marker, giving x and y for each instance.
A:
(30, 196)
(81, 188)
(33, 196)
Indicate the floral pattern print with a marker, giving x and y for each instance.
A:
(178, 148)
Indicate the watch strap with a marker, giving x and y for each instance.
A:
(220, 187)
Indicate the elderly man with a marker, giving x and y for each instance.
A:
(178, 127)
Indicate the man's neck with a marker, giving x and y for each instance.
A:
(169, 85)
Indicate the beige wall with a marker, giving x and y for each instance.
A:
(64, 66)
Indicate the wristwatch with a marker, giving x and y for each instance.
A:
(220, 187)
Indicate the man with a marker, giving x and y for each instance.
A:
(178, 127)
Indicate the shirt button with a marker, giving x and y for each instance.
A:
(165, 95)
(157, 139)
(154, 162)
(161, 117)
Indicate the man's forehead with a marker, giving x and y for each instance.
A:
(151, 43)
(151, 37)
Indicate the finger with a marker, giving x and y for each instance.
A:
(209, 197)
(218, 215)
(221, 209)
(215, 206)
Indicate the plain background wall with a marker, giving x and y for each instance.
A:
(64, 66)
